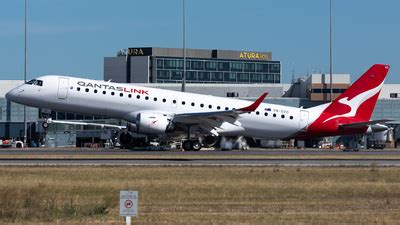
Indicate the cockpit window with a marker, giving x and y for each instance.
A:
(31, 81)
(39, 83)
(35, 82)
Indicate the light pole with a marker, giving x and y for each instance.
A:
(330, 50)
(184, 45)
(25, 54)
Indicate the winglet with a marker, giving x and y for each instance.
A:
(254, 105)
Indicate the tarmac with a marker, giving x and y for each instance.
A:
(140, 157)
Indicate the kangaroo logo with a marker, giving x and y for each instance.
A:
(355, 103)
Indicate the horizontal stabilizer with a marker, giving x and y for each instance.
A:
(364, 124)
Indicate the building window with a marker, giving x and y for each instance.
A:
(176, 75)
(160, 64)
(191, 75)
(211, 65)
(255, 77)
(248, 67)
(236, 66)
(243, 77)
(197, 65)
(274, 68)
(232, 94)
(203, 76)
(230, 77)
(223, 66)
(262, 67)
(163, 74)
(170, 63)
(216, 76)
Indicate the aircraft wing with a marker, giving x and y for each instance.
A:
(210, 121)
(364, 124)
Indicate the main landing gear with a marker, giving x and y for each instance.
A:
(191, 145)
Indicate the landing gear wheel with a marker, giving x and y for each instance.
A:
(195, 145)
(186, 145)
(45, 125)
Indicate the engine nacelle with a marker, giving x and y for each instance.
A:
(376, 128)
(151, 123)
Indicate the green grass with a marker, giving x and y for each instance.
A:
(201, 195)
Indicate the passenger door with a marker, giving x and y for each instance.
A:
(303, 124)
(63, 86)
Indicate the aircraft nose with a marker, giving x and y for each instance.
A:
(13, 94)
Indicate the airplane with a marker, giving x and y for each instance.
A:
(195, 118)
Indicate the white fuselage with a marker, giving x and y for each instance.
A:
(125, 101)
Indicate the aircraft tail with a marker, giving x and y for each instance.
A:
(357, 103)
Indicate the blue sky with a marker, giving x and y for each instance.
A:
(72, 37)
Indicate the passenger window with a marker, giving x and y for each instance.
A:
(121, 95)
(183, 102)
(209, 106)
(283, 116)
(78, 88)
(164, 100)
(174, 101)
(104, 92)
(274, 115)
(95, 91)
(291, 117)
(265, 114)
(218, 107)
(147, 97)
(226, 108)
(192, 104)
(257, 113)
(138, 96)
(87, 89)
(112, 93)
(201, 105)
(130, 96)
(155, 99)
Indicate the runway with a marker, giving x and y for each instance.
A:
(283, 157)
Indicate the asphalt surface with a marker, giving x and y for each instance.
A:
(111, 157)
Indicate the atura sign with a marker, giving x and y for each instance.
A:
(253, 55)
(128, 203)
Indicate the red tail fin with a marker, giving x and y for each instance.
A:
(359, 100)
(356, 104)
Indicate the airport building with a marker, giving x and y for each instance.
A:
(165, 65)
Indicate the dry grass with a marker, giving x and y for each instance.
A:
(201, 195)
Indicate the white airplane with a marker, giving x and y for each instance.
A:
(175, 114)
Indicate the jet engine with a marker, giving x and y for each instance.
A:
(376, 128)
(210, 140)
(151, 123)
